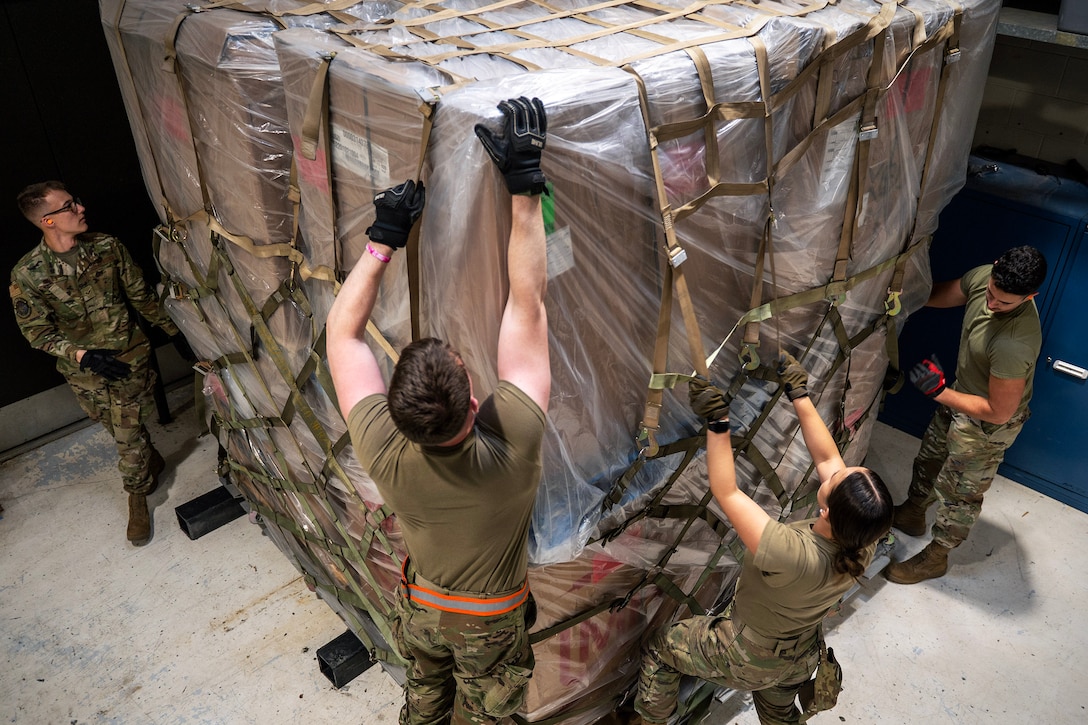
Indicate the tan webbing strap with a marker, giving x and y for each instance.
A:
(317, 8)
(313, 129)
(170, 53)
(747, 31)
(261, 251)
(170, 66)
(710, 136)
(569, 44)
(859, 176)
(795, 154)
(829, 290)
(316, 115)
(715, 112)
(749, 354)
(294, 195)
(951, 56)
(673, 277)
(651, 412)
(825, 84)
(426, 109)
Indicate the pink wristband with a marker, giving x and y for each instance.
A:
(377, 255)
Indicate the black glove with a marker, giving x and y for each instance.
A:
(517, 151)
(928, 376)
(396, 211)
(182, 346)
(105, 363)
(793, 376)
(707, 400)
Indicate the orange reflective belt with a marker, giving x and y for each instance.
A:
(477, 606)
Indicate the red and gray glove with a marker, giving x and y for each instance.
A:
(928, 376)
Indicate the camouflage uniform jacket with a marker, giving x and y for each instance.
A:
(61, 309)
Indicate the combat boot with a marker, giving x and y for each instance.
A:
(929, 563)
(139, 520)
(910, 518)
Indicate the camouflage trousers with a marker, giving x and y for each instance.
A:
(955, 466)
(121, 407)
(718, 650)
(461, 668)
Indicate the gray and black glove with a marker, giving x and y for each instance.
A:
(517, 152)
(707, 400)
(105, 363)
(793, 376)
(395, 213)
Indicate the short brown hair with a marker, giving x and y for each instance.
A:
(32, 198)
(429, 393)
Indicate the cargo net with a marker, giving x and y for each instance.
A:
(729, 179)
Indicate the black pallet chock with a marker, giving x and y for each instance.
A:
(208, 512)
(343, 659)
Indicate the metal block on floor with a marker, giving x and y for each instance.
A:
(344, 659)
(208, 512)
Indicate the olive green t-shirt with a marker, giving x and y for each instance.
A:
(1005, 344)
(790, 583)
(464, 510)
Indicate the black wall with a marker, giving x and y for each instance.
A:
(63, 119)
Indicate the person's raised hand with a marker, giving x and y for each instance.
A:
(707, 400)
(793, 376)
(517, 151)
(396, 211)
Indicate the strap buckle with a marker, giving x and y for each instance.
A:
(677, 256)
(893, 305)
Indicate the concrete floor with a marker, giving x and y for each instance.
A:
(223, 630)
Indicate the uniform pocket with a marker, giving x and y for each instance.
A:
(506, 694)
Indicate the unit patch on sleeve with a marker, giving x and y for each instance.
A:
(22, 307)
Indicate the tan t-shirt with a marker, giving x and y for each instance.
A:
(790, 583)
(1005, 345)
(464, 510)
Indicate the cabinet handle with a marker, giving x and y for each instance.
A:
(1063, 367)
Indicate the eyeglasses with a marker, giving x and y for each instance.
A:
(70, 206)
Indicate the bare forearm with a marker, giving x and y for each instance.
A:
(527, 256)
(821, 446)
(354, 369)
(973, 406)
(946, 294)
(355, 301)
(746, 517)
(721, 469)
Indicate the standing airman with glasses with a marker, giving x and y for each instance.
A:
(70, 294)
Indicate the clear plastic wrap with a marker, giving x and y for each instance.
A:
(797, 153)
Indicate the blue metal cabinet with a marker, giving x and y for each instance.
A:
(1002, 207)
